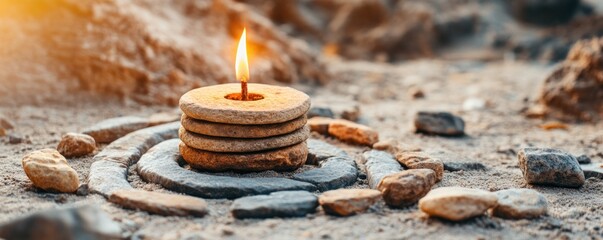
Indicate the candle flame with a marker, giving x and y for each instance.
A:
(241, 65)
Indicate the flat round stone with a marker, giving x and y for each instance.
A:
(240, 145)
(241, 131)
(282, 159)
(279, 104)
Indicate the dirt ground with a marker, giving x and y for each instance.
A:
(494, 136)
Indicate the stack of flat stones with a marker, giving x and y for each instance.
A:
(268, 132)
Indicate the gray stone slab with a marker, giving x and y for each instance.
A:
(162, 165)
(319, 151)
(465, 166)
(334, 172)
(277, 204)
(109, 171)
(379, 164)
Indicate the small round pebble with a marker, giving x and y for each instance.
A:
(346, 202)
(519, 204)
(76, 145)
(48, 170)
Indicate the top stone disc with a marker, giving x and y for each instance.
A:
(279, 104)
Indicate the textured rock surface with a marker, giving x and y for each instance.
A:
(320, 112)
(407, 187)
(110, 168)
(161, 165)
(334, 173)
(457, 203)
(351, 132)
(160, 203)
(277, 204)
(378, 165)
(543, 13)
(279, 104)
(76, 145)
(575, 89)
(346, 202)
(417, 160)
(592, 170)
(241, 131)
(439, 123)
(237, 145)
(320, 124)
(550, 167)
(583, 159)
(520, 203)
(72, 222)
(111, 129)
(48, 170)
(320, 150)
(464, 166)
(280, 159)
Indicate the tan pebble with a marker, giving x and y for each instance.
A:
(48, 170)
(352, 132)
(407, 187)
(239, 145)
(160, 203)
(279, 104)
(76, 145)
(346, 202)
(282, 159)
(241, 131)
(520, 203)
(457, 203)
(320, 124)
(417, 160)
(393, 146)
(2, 132)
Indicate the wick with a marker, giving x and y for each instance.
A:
(244, 95)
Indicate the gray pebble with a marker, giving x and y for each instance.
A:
(277, 204)
(545, 166)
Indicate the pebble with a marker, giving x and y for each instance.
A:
(407, 187)
(48, 170)
(76, 145)
(519, 204)
(457, 203)
(351, 132)
(439, 123)
(160, 203)
(277, 204)
(2, 132)
(72, 222)
(346, 202)
(319, 151)
(333, 173)
(416, 93)
(583, 159)
(15, 139)
(5, 123)
(417, 160)
(546, 166)
(320, 112)
(379, 164)
(472, 104)
(320, 124)
(464, 166)
(162, 165)
(593, 170)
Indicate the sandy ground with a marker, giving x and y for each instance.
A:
(494, 135)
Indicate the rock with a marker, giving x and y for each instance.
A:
(594, 170)
(162, 165)
(72, 222)
(5, 123)
(439, 123)
(574, 90)
(352, 132)
(111, 129)
(457, 203)
(15, 139)
(160, 203)
(393, 146)
(407, 187)
(164, 117)
(351, 114)
(82, 190)
(553, 125)
(280, 159)
(472, 104)
(277, 204)
(48, 170)
(241, 131)
(464, 166)
(320, 112)
(110, 168)
(378, 165)
(346, 202)
(319, 151)
(545, 166)
(334, 173)
(583, 159)
(320, 124)
(277, 105)
(242, 145)
(417, 160)
(519, 204)
(2, 132)
(76, 145)
(544, 13)
(416, 93)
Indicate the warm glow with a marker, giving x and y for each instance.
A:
(241, 65)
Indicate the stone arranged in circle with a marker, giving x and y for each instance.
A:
(160, 203)
(407, 187)
(379, 164)
(279, 104)
(281, 159)
(277, 204)
(346, 202)
(241, 145)
(241, 131)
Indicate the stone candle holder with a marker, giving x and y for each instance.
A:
(221, 132)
